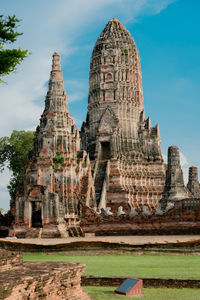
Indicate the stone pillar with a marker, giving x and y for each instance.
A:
(45, 208)
(174, 184)
(17, 211)
(193, 182)
(27, 213)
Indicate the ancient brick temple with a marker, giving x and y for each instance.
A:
(119, 170)
(57, 180)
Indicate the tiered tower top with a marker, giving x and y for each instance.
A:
(115, 29)
(56, 100)
(115, 59)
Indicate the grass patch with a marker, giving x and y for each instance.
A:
(166, 266)
(107, 293)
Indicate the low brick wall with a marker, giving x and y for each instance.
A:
(147, 282)
(40, 280)
(179, 220)
(122, 225)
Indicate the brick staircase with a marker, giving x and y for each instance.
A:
(50, 231)
(75, 231)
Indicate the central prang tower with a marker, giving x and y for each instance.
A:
(116, 132)
(115, 103)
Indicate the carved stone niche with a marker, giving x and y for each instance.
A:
(109, 76)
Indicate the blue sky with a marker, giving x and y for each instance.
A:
(167, 35)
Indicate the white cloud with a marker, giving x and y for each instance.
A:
(185, 167)
(50, 26)
(4, 196)
(164, 158)
(78, 88)
(183, 160)
(133, 9)
(156, 6)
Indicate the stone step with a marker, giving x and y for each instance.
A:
(75, 231)
(33, 233)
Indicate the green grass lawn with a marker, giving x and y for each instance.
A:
(107, 293)
(166, 266)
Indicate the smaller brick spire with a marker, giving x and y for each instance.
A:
(174, 184)
(193, 182)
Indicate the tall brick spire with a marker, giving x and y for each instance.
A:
(116, 133)
(53, 179)
(115, 101)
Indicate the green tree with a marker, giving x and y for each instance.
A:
(14, 154)
(9, 58)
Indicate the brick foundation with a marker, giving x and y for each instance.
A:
(40, 280)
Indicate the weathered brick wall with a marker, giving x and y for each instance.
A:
(9, 260)
(40, 280)
(184, 218)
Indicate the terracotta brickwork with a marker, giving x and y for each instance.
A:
(46, 280)
(9, 260)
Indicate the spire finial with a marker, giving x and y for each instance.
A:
(114, 20)
(56, 62)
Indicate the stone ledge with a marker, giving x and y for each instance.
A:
(188, 246)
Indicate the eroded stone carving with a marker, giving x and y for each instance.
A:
(133, 212)
(108, 211)
(146, 211)
(120, 211)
